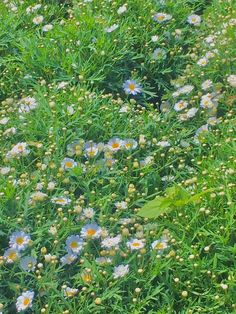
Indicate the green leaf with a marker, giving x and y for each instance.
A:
(177, 192)
(156, 207)
(176, 197)
(197, 197)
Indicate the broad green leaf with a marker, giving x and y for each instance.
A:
(176, 197)
(197, 197)
(179, 203)
(177, 192)
(156, 207)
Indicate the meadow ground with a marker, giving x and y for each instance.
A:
(117, 156)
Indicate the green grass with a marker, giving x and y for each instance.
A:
(196, 272)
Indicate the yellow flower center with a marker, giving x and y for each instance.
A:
(159, 246)
(20, 240)
(91, 153)
(132, 86)
(12, 256)
(115, 145)
(68, 164)
(136, 244)
(161, 17)
(87, 277)
(20, 148)
(60, 200)
(26, 301)
(128, 145)
(74, 244)
(91, 232)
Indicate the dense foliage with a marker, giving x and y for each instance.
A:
(117, 158)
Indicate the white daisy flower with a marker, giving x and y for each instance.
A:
(38, 19)
(147, 161)
(92, 231)
(210, 39)
(162, 17)
(131, 87)
(88, 212)
(191, 112)
(167, 178)
(120, 271)
(194, 19)
(12, 7)
(203, 128)
(111, 242)
(231, 79)
(51, 186)
(19, 149)
(74, 244)
(90, 149)
(109, 161)
(4, 121)
(121, 205)
(48, 258)
(175, 94)
(154, 38)
(70, 292)
(47, 27)
(73, 147)
(11, 255)
(61, 200)
(36, 7)
(24, 301)
(135, 244)
(9, 132)
(115, 144)
(27, 104)
(206, 101)
(202, 62)
(62, 84)
(163, 143)
(28, 10)
(122, 9)
(28, 263)
(68, 259)
(206, 84)
(68, 163)
(180, 105)
(186, 89)
(160, 244)
(213, 121)
(130, 144)
(111, 28)
(124, 109)
(209, 54)
(158, 53)
(37, 197)
(19, 240)
(5, 170)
